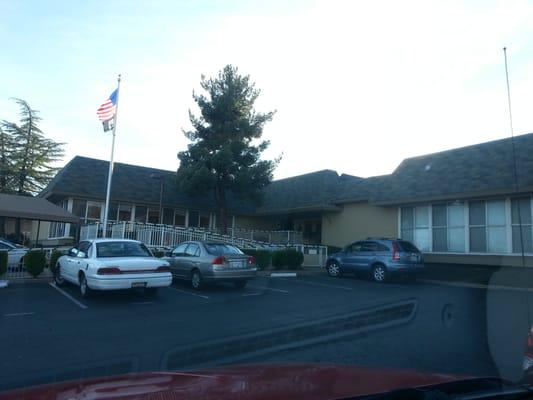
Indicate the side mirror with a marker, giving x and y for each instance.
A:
(81, 254)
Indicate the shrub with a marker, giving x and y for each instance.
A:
(35, 262)
(279, 259)
(158, 253)
(295, 258)
(262, 257)
(53, 259)
(3, 262)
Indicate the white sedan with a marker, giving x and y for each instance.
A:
(15, 254)
(112, 264)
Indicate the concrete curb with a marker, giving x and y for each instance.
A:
(283, 275)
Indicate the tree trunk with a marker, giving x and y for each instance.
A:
(220, 196)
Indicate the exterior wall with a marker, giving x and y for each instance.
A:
(478, 259)
(358, 221)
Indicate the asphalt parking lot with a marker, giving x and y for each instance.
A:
(51, 334)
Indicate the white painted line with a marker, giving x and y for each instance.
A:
(191, 293)
(476, 285)
(68, 296)
(250, 294)
(20, 314)
(269, 288)
(283, 275)
(323, 285)
(143, 302)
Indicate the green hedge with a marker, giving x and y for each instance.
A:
(295, 258)
(35, 261)
(3, 262)
(279, 259)
(158, 253)
(290, 258)
(262, 257)
(53, 259)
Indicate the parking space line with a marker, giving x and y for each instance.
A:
(142, 302)
(20, 314)
(250, 294)
(191, 293)
(319, 284)
(269, 288)
(68, 296)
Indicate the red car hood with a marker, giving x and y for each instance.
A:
(287, 381)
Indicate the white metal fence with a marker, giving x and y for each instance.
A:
(167, 236)
(17, 270)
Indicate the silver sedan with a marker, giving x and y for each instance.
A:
(202, 262)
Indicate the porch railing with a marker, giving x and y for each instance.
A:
(166, 236)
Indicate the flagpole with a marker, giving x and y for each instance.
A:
(110, 173)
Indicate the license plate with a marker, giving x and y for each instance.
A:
(236, 264)
(138, 284)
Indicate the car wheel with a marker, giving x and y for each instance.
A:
(85, 290)
(240, 284)
(196, 280)
(379, 273)
(150, 292)
(334, 269)
(58, 279)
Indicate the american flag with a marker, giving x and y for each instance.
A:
(107, 110)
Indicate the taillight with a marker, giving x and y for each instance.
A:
(163, 268)
(251, 260)
(108, 271)
(395, 251)
(220, 260)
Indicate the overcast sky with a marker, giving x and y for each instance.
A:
(357, 85)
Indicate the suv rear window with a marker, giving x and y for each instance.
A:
(408, 246)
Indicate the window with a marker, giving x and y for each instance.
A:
(369, 247)
(219, 249)
(478, 240)
(4, 246)
(204, 220)
(180, 250)
(488, 226)
(415, 226)
(168, 216)
(194, 218)
(140, 213)
(113, 212)
(193, 250)
(79, 208)
(354, 247)
(440, 227)
(153, 216)
(124, 212)
(94, 211)
(179, 218)
(84, 246)
(521, 215)
(496, 227)
(122, 249)
(456, 227)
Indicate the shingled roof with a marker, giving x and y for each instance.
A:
(87, 177)
(479, 170)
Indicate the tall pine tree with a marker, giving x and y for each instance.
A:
(26, 155)
(225, 151)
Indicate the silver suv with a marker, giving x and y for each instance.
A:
(379, 257)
